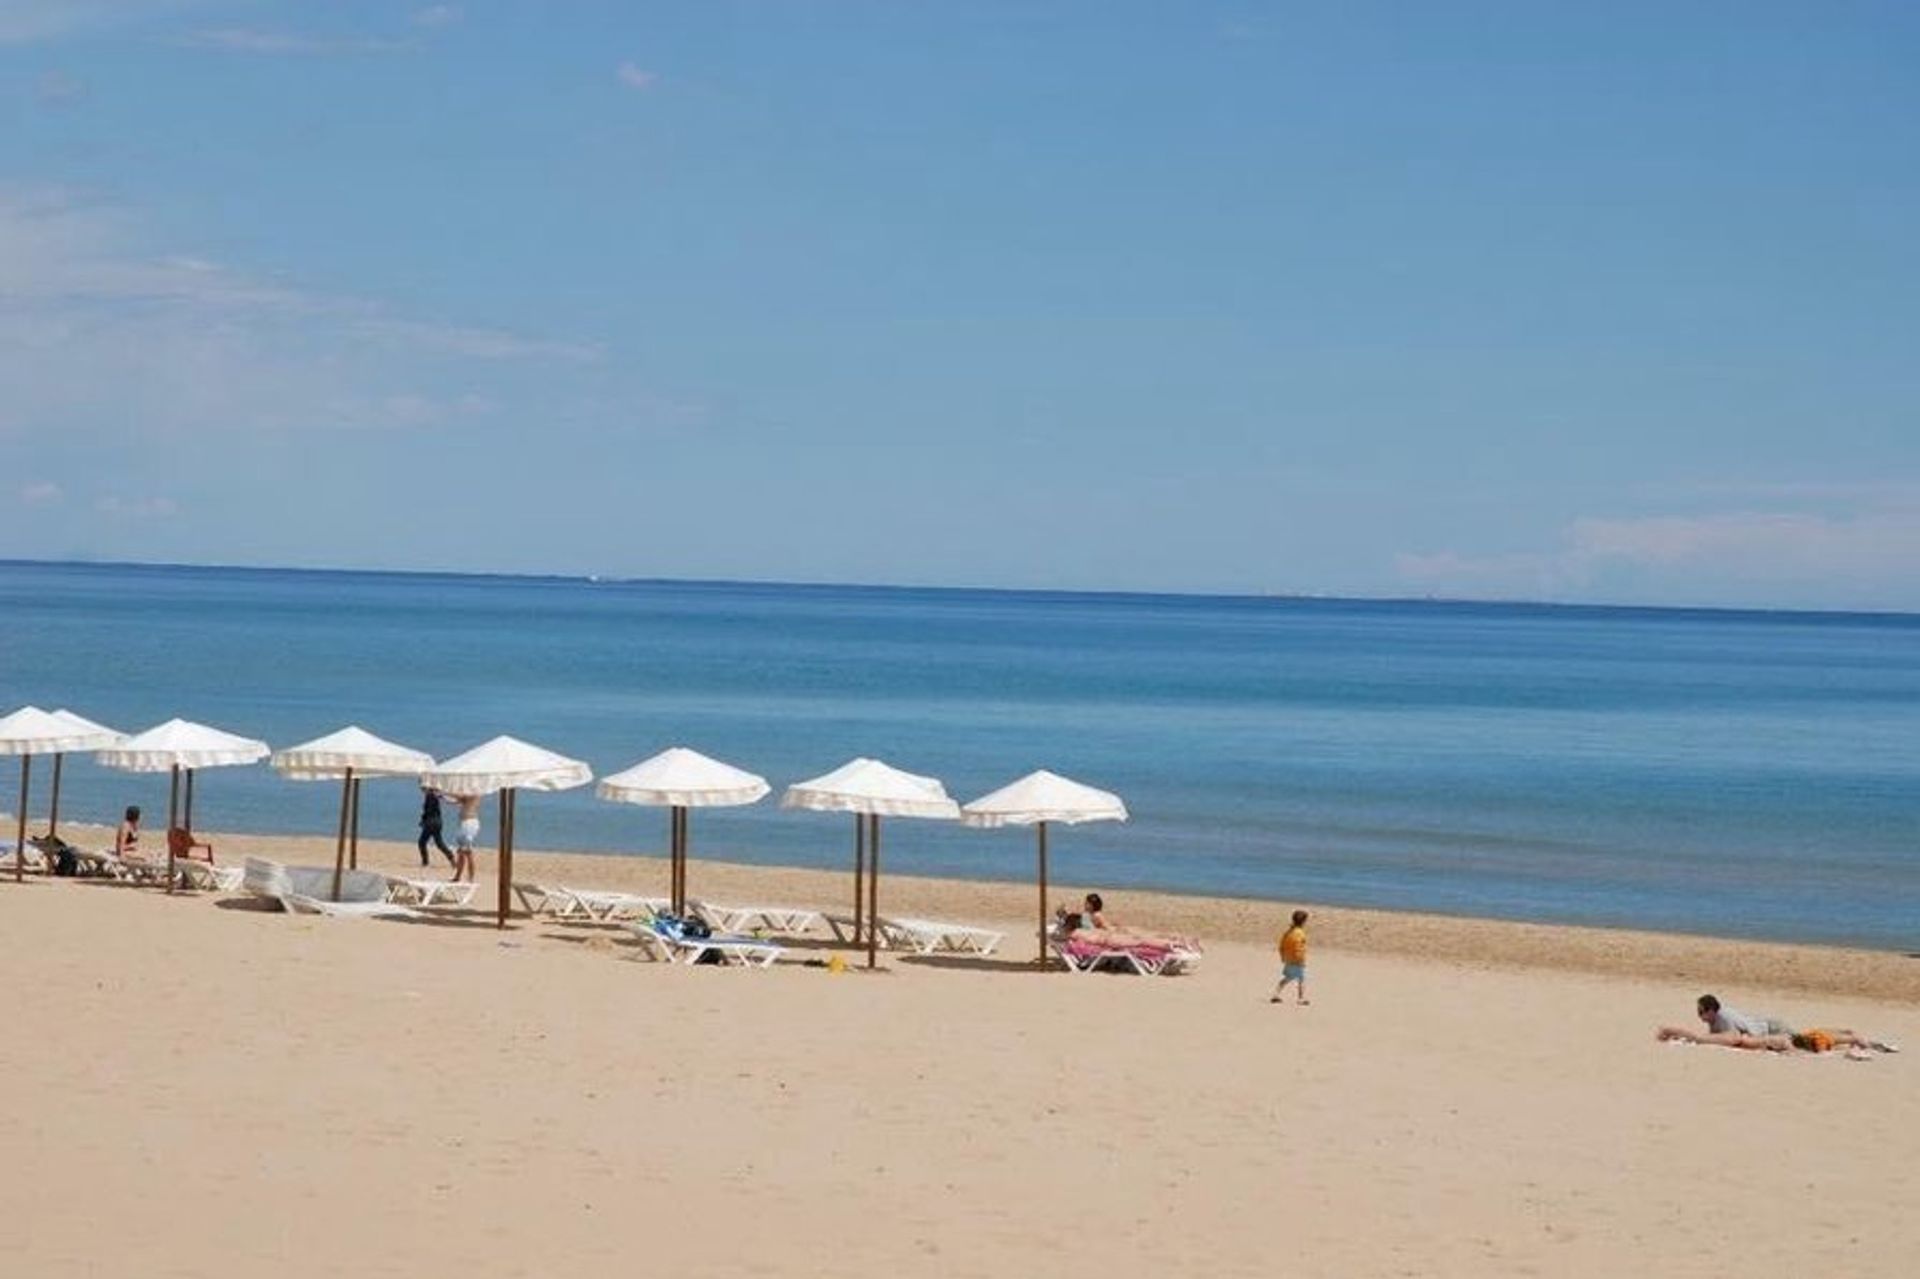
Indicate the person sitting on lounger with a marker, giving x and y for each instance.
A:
(126, 840)
(181, 843)
(1088, 916)
(1092, 925)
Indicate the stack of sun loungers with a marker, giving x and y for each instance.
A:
(308, 890)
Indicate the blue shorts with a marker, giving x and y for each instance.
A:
(1293, 972)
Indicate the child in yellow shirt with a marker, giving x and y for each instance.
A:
(1293, 960)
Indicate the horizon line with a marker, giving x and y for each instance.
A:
(1096, 592)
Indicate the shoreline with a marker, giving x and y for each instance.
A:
(1706, 962)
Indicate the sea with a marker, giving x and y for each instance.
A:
(1742, 774)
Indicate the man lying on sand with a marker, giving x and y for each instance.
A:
(1809, 1041)
(1722, 1020)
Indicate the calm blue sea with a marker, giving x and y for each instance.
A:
(1743, 774)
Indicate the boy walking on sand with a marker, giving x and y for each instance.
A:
(1293, 960)
(468, 837)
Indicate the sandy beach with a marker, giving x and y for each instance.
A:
(214, 1089)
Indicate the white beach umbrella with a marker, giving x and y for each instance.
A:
(1040, 799)
(506, 765)
(31, 731)
(680, 779)
(349, 757)
(870, 790)
(181, 744)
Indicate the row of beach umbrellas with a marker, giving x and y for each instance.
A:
(678, 779)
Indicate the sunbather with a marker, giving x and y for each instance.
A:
(1810, 1041)
(126, 840)
(1093, 928)
(181, 843)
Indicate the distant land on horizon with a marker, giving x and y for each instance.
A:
(612, 579)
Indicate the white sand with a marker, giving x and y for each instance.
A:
(201, 1088)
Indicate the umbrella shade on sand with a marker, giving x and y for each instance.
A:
(349, 757)
(681, 779)
(506, 765)
(31, 731)
(178, 746)
(1039, 799)
(870, 790)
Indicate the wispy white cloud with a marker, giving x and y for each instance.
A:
(42, 493)
(31, 21)
(137, 508)
(1864, 555)
(57, 89)
(636, 77)
(438, 15)
(253, 40)
(95, 329)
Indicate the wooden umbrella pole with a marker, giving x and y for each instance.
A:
(873, 894)
(353, 823)
(340, 837)
(680, 837)
(53, 812)
(859, 872)
(187, 817)
(506, 861)
(673, 861)
(173, 815)
(1041, 959)
(20, 841)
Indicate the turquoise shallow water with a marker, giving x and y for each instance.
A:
(1746, 774)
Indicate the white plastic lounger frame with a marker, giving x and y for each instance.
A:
(1174, 961)
(429, 892)
(32, 859)
(601, 905)
(748, 952)
(928, 936)
(204, 875)
(546, 899)
(741, 919)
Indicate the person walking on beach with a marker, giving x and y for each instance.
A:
(1293, 960)
(469, 836)
(431, 825)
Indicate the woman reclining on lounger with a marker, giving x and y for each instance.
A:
(1091, 925)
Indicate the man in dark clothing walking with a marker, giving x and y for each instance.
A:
(430, 825)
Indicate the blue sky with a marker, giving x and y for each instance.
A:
(1583, 302)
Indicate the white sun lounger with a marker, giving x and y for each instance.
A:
(545, 899)
(662, 942)
(429, 892)
(929, 936)
(204, 875)
(1146, 962)
(741, 919)
(612, 905)
(34, 862)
